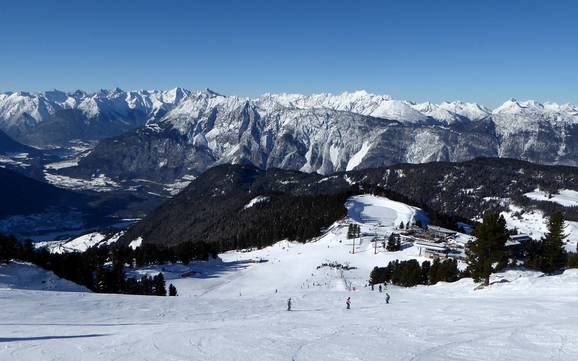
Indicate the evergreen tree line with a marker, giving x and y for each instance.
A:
(284, 216)
(488, 253)
(549, 254)
(88, 268)
(186, 252)
(114, 281)
(442, 185)
(410, 273)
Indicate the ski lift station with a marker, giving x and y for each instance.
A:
(432, 250)
(441, 232)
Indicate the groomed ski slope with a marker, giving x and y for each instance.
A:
(373, 210)
(236, 310)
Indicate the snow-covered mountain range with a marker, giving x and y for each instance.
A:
(165, 135)
(55, 116)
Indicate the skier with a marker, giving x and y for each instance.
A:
(372, 286)
(348, 303)
(379, 288)
(289, 304)
(387, 298)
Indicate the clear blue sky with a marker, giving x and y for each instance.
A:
(485, 51)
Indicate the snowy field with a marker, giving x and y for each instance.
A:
(100, 183)
(78, 244)
(535, 224)
(235, 309)
(373, 210)
(565, 197)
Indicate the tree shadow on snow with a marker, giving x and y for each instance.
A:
(42, 338)
(80, 324)
(215, 270)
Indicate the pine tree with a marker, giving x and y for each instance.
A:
(488, 247)
(425, 269)
(410, 273)
(100, 280)
(116, 277)
(159, 288)
(554, 255)
(434, 275)
(573, 260)
(131, 286)
(449, 270)
(146, 285)
(8, 248)
(27, 251)
(172, 290)
(375, 276)
(393, 243)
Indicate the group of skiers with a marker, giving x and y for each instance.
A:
(348, 301)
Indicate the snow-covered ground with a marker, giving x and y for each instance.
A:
(565, 197)
(179, 184)
(534, 223)
(256, 200)
(21, 275)
(79, 244)
(63, 164)
(18, 160)
(235, 309)
(374, 210)
(100, 183)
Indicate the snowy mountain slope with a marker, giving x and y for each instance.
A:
(311, 140)
(472, 111)
(58, 117)
(565, 197)
(373, 210)
(425, 323)
(360, 102)
(169, 135)
(221, 313)
(451, 112)
(326, 133)
(212, 207)
(546, 133)
(469, 189)
(80, 243)
(25, 276)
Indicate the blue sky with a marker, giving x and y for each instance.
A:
(485, 51)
